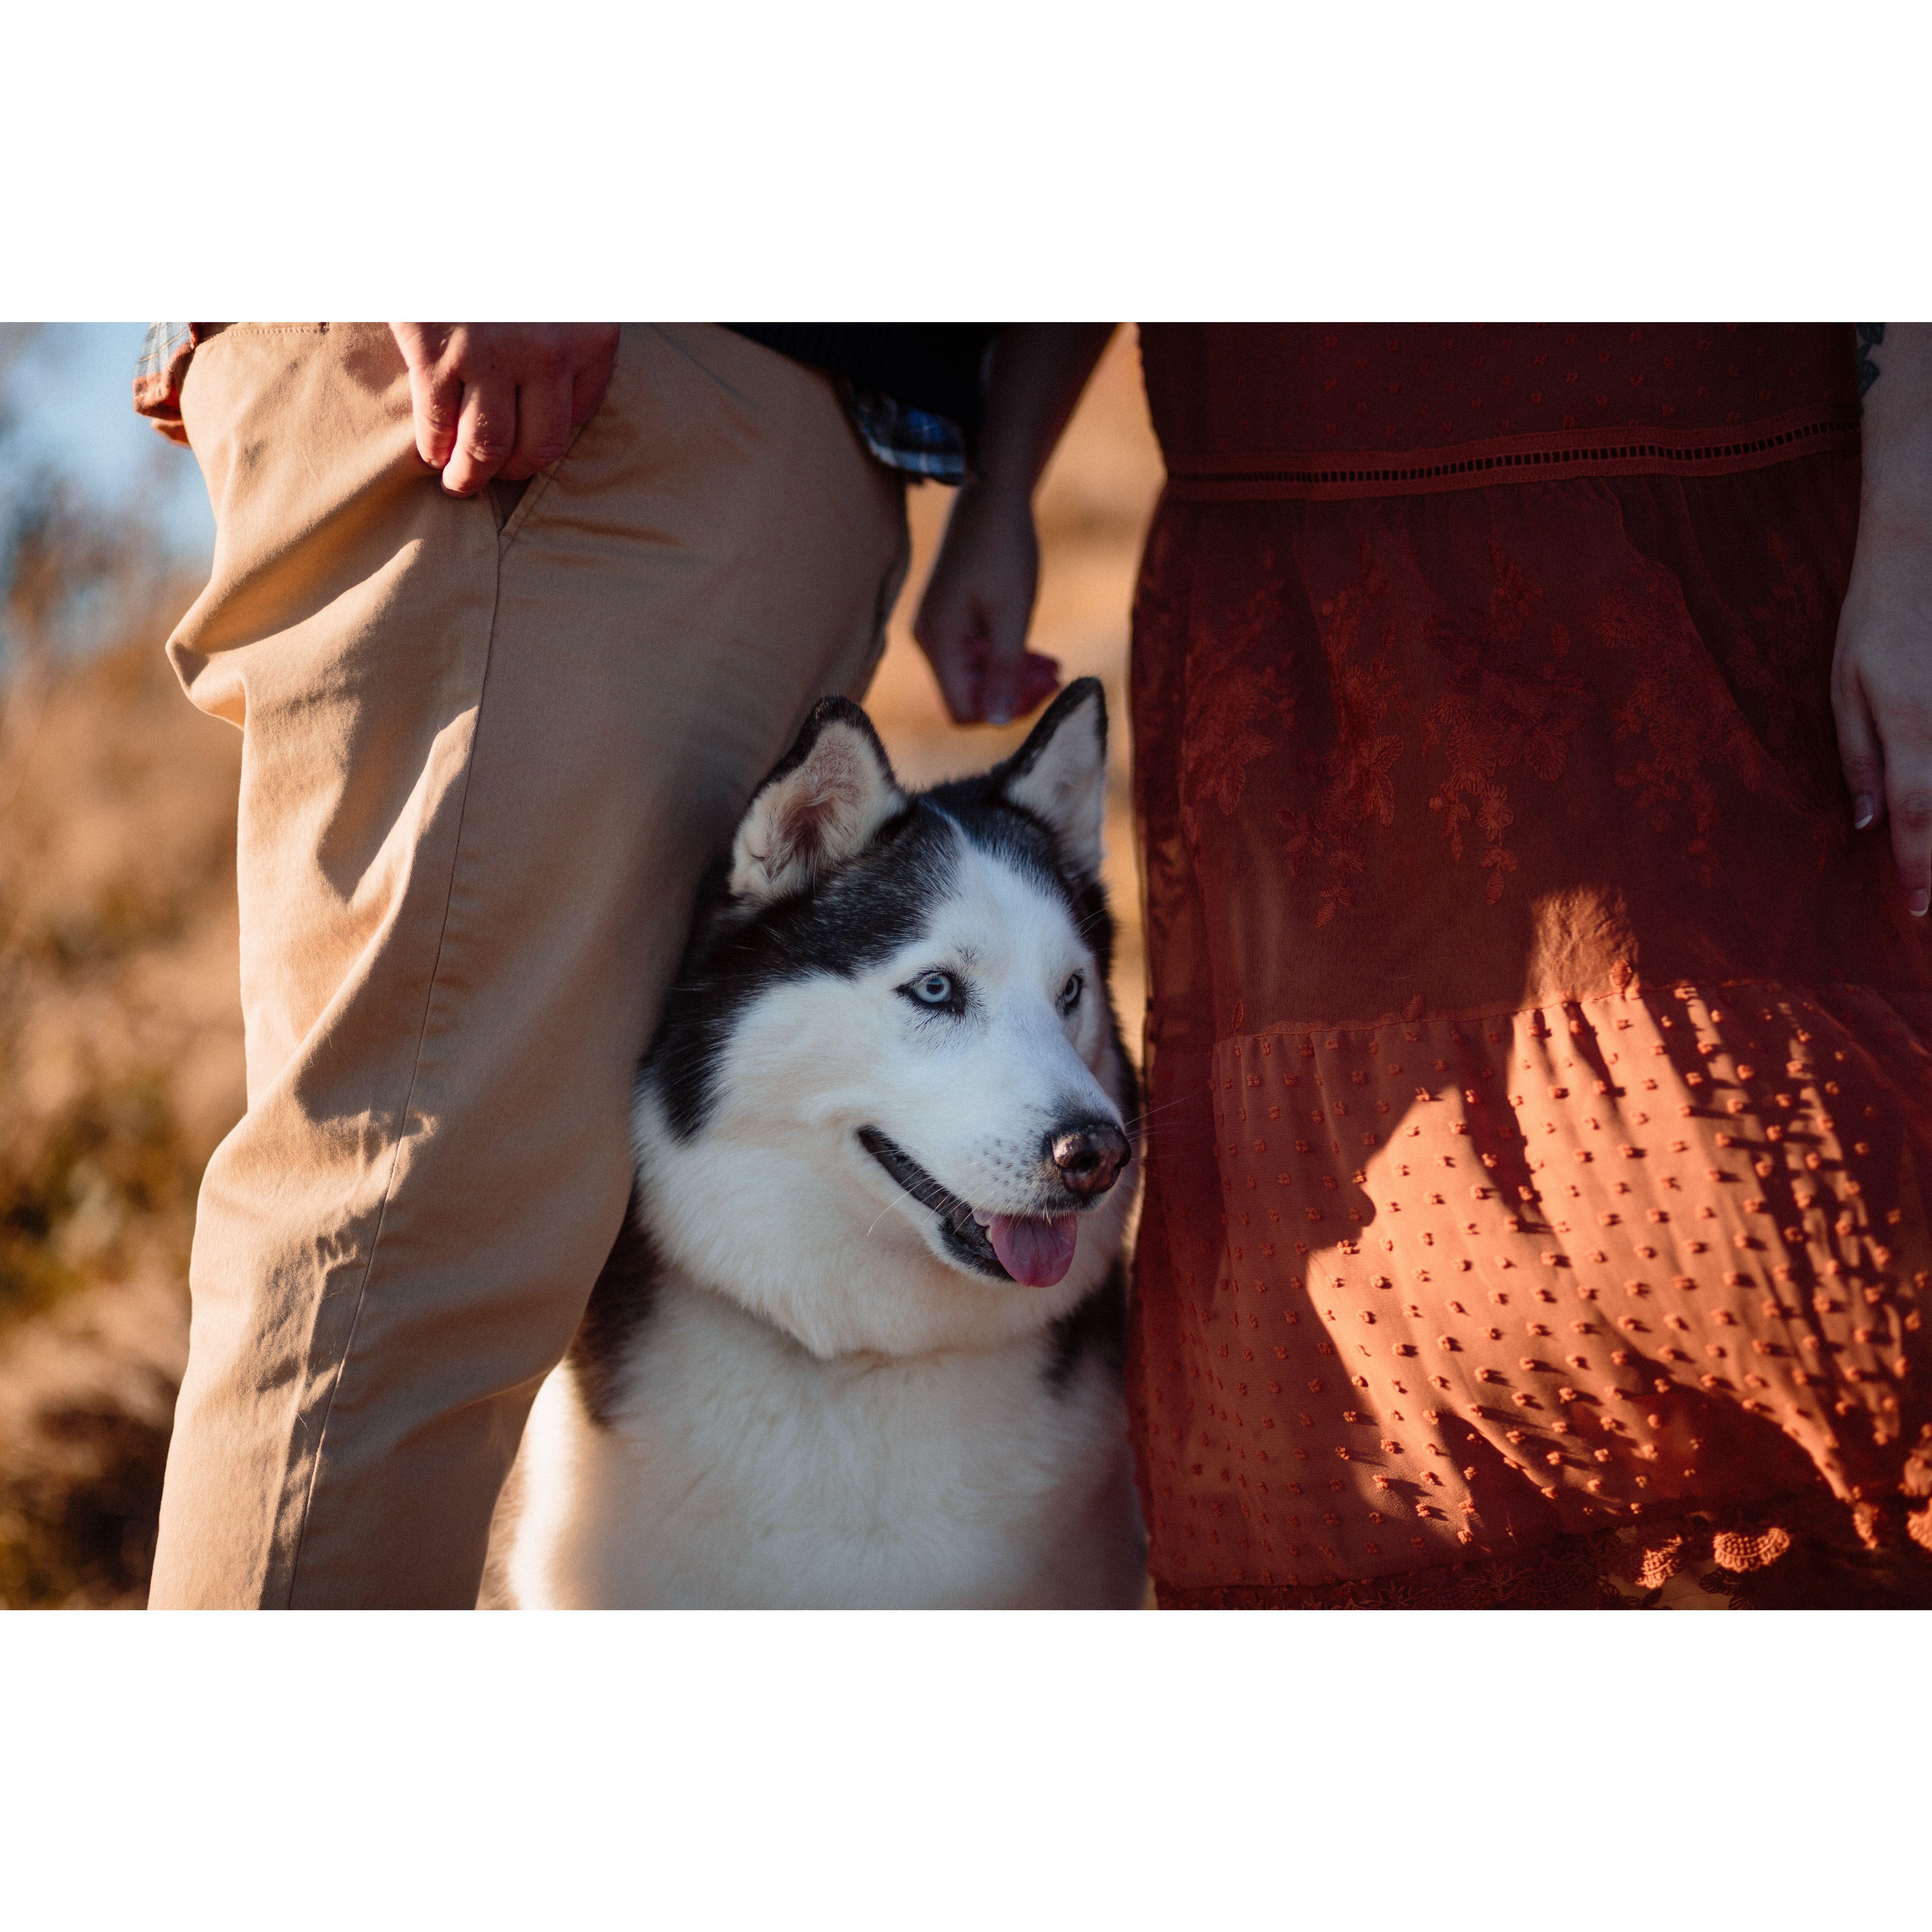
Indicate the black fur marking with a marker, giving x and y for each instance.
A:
(620, 1304)
(1097, 1328)
(1009, 832)
(965, 1239)
(865, 911)
(1076, 695)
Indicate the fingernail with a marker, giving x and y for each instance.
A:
(1920, 900)
(1861, 812)
(998, 714)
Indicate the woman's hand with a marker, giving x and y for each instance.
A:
(1882, 692)
(1882, 672)
(502, 398)
(972, 620)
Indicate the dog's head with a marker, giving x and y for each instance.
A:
(887, 1107)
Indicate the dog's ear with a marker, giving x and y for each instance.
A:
(824, 800)
(1060, 774)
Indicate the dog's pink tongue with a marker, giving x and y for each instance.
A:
(1032, 1248)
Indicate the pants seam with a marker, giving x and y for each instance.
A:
(539, 485)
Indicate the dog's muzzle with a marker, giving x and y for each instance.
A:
(1086, 1159)
(965, 1239)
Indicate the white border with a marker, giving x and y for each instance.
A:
(1657, 159)
(975, 1771)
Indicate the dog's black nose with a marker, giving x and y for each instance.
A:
(1090, 1158)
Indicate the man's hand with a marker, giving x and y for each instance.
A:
(972, 621)
(502, 398)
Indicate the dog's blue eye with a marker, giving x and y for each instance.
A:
(1069, 993)
(933, 989)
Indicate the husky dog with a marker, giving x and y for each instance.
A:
(859, 1343)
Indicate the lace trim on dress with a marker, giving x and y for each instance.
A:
(1269, 474)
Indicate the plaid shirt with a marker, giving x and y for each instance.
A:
(903, 438)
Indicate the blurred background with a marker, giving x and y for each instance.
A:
(120, 1025)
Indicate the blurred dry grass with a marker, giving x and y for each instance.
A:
(120, 1069)
(120, 1029)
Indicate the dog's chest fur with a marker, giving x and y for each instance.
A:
(733, 1468)
(830, 1361)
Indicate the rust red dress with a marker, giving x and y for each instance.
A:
(1539, 1096)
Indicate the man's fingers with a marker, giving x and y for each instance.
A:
(1039, 679)
(957, 656)
(984, 683)
(593, 377)
(502, 398)
(485, 436)
(961, 672)
(543, 426)
(972, 620)
(435, 401)
(1001, 688)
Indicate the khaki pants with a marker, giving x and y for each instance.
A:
(483, 768)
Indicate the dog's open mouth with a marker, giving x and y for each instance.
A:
(1036, 1249)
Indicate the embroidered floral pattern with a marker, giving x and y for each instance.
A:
(1681, 709)
(1508, 698)
(1356, 771)
(1228, 698)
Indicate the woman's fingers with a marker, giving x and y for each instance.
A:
(1908, 797)
(1881, 702)
(1881, 669)
(1859, 749)
(1886, 750)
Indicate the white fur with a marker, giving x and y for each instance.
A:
(777, 1204)
(824, 1407)
(807, 820)
(744, 1472)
